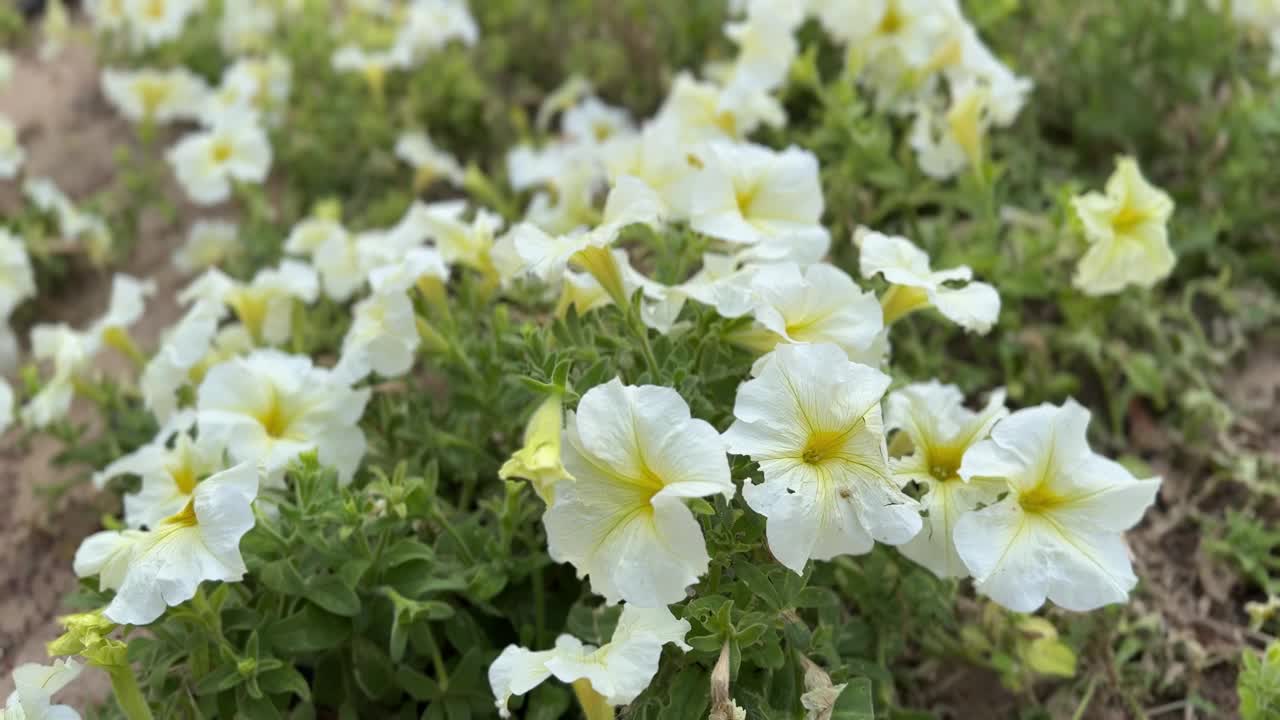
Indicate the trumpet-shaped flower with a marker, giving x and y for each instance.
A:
(592, 122)
(155, 95)
(947, 144)
(265, 306)
(618, 670)
(811, 419)
(636, 455)
(748, 193)
(539, 459)
(695, 111)
(209, 243)
(269, 407)
(462, 242)
(17, 281)
(915, 286)
(1058, 534)
(766, 45)
(34, 688)
(181, 350)
(1128, 233)
(162, 567)
(941, 430)
(234, 150)
(169, 474)
(251, 88)
(430, 162)
(246, 26)
(820, 304)
(383, 337)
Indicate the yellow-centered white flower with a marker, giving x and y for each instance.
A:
(159, 96)
(209, 243)
(819, 304)
(170, 467)
(269, 407)
(34, 688)
(429, 162)
(974, 306)
(1128, 234)
(619, 670)
(209, 161)
(1058, 533)
(811, 419)
(941, 430)
(162, 567)
(636, 455)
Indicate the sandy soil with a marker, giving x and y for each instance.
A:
(69, 134)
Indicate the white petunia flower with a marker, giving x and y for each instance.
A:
(246, 26)
(17, 281)
(811, 419)
(592, 122)
(251, 88)
(209, 243)
(546, 257)
(915, 286)
(269, 407)
(750, 193)
(154, 22)
(462, 242)
(208, 162)
(265, 306)
(162, 567)
(1128, 232)
(181, 350)
(766, 46)
(107, 15)
(155, 95)
(947, 144)
(383, 337)
(695, 111)
(11, 153)
(618, 671)
(71, 352)
(820, 304)
(432, 24)
(34, 688)
(941, 429)
(636, 456)
(430, 162)
(1058, 534)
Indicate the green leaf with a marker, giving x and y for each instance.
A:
(309, 630)
(222, 678)
(855, 702)
(419, 686)
(330, 593)
(374, 671)
(285, 679)
(406, 550)
(282, 577)
(758, 583)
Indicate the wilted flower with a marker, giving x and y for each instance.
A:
(811, 419)
(941, 430)
(1058, 534)
(618, 670)
(1128, 232)
(915, 286)
(636, 455)
(162, 567)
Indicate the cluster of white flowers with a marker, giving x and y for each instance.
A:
(421, 28)
(34, 688)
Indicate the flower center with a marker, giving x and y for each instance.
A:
(1128, 219)
(184, 476)
(944, 463)
(185, 517)
(744, 197)
(153, 94)
(823, 445)
(221, 151)
(1040, 499)
(274, 418)
(155, 9)
(892, 22)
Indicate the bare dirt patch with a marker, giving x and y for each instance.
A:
(70, 135)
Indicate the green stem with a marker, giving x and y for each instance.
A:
(539, 606)
(437, 660)
(128, 695)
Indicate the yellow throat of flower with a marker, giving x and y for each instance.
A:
(186, 517)
(1128, 218)
(825, 445)
(1039, 499)
(893, 21)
